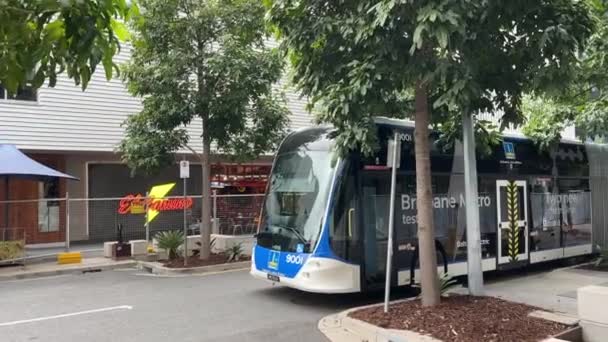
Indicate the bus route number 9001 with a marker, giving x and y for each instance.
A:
(294, 259)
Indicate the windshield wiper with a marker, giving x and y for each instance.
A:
(296, 233)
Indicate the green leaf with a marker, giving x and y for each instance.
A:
(108, 66)
(442, 37)
(120, 30)
(55, 30)
(85, 76)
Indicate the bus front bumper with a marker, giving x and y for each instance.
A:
(319, 275)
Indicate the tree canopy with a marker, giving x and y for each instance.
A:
(202, 60)
(582, 100)
(41, 39)
(356, 60)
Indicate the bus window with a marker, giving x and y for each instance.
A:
(575, 200)
(344, 231)
(297, 194)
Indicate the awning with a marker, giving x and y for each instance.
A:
(13, 163)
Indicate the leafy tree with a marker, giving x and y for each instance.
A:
(358, 59)
(582, 100)
(202, 60)
(40, 39)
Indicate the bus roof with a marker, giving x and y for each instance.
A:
(405, 123)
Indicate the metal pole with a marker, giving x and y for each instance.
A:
(147, 223)
(391, 223)
(185, 229)
(67, 221)
(6, 204)
(215, 220)
(474, 268)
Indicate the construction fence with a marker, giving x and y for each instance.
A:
(98, 220)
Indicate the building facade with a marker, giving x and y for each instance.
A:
(77, 132)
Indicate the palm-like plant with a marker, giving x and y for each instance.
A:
(170, 241)
(446, 282)
(234, 252)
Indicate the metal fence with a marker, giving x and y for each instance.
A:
(98, 220)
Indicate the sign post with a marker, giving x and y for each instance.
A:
(147, 219)
(396, 148)
(184, 173)
(67, 222)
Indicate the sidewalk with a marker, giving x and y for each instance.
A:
(47, 253)
(46, 269)
(553, 290)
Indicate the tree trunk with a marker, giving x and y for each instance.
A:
(206, 205)
(426, 233)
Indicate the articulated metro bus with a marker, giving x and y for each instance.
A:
(323, 225)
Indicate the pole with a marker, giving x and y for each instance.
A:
(6, 211)
(475, 273)
(391, 221)
(215, 219)
(147, 223)
(67, 221)
(185, 229)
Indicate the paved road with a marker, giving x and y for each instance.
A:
(229, 306)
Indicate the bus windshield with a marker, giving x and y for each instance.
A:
(297, 195)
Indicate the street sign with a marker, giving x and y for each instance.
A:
(184, 169)
(391, 150)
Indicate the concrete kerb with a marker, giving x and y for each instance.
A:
(71, 269)
(159, 269)
(342, 328)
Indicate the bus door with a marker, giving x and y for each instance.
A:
(512, 214)
(374, 206)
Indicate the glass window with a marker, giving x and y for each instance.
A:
(376, 204)
(297, 196)
(449, 214)
(344, 234)
(48, 210)
(575, 205)
(545, 230)
(23, 94)
(561, 213)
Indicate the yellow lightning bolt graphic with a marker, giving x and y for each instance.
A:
(158, 192)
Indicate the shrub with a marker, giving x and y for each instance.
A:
(11, 249)
(234, 252)
(170, 241)
(446, 283)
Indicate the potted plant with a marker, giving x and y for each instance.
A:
(121, 249)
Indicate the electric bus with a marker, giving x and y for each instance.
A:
(324, 222)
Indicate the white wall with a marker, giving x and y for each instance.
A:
(67, 119)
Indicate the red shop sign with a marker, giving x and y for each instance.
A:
(136, 204)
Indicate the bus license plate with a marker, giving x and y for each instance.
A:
(274, 278)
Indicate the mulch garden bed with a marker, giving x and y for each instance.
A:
(462, 318)
(195, 261)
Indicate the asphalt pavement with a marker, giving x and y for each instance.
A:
(125, 305)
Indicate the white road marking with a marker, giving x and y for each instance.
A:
(190, 275)
(222, 272)
(161, 275)
(112, 308)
